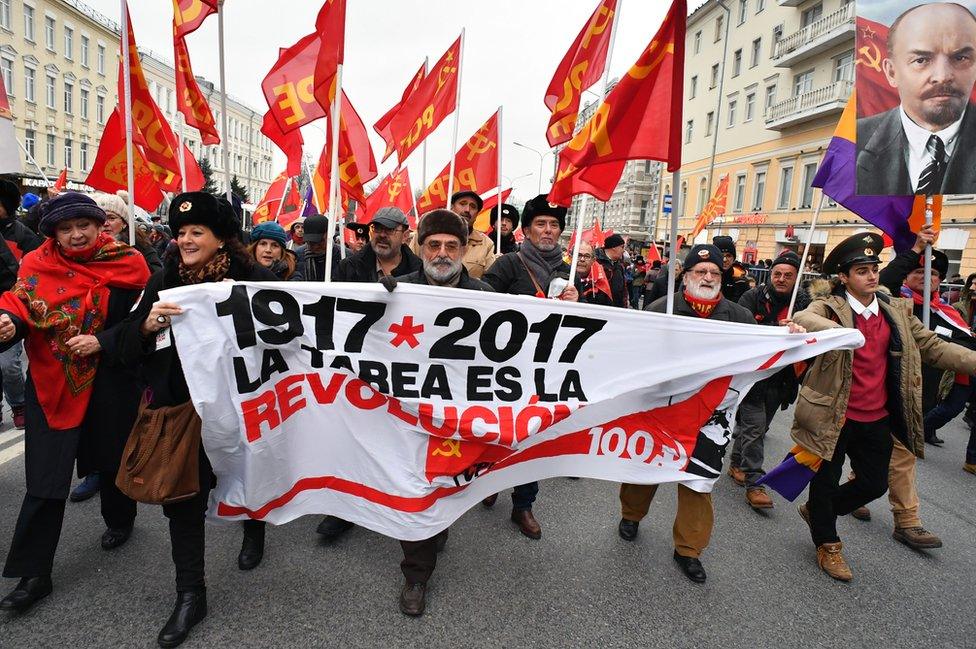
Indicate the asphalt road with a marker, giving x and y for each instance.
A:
(580, 586)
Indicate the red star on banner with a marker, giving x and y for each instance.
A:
(405, 332)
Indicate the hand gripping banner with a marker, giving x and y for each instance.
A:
(400, 411)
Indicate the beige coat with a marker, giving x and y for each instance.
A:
(478, 257)
(822, 402)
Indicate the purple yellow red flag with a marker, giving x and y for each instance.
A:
(382, 125)
(793, 474)
(475, 168)
(715, 207)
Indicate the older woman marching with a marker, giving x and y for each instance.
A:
(71, 298)
(209, 251)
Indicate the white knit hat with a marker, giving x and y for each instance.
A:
(117, 203)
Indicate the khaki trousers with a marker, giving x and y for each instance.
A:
(692, 523)
(902, 492)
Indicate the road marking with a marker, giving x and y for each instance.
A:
(9, 435)
(12, 452)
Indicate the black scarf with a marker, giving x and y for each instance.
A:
(542, 265)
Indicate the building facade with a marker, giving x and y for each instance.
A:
(789, 70)
(59, 60)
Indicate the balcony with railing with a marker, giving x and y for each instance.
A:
(806, 106)
(820, 35)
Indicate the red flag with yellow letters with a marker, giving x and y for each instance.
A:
(425, 109)
(357, 165)
(289, 86)
(189, 100)
(109, 171)
(581, 67)
(330, 27)
(394, 191)
(267, 209)
(639, 119)
(290, 143)
(382, 125)
(475, 168)
(188, 15)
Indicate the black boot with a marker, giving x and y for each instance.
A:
(332, 528)
(28, 591)
(190, 608)
(114, 537)
(252, 547)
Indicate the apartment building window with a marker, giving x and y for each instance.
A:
(698, 42)
(750, 107)
(647, 166)
(101, 59)
(760, 5)
(732, 106)
(84, 51)
(743, 10)
(714, 80)
(770, 97)
(777, 37)
(69, 91)
(740, 192)
(802, 83)
(844, 67)
(683, 204)
(83, 103)
(69, 43)
(643, 212)
(51, 144)
(7, 69)
(809, 171)
(811, 15)
(5, 14)
(755, 53)
(719, 25)
(100, 109)
(692, 89)
(68, 148)
(29, 142)
(689, 130)
(785, 188)
(49, 90)
(759, 191)
(29, 23)
(736, 63)
(702, 195)
(49, 32)
(83, 155)
(30, 76)
(709, 122)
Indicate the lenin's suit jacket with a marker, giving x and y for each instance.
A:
(882, 156)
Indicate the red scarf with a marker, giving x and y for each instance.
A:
(944, 309)
(702, 308)
(60, 295)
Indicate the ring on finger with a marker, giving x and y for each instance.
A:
(161, 319)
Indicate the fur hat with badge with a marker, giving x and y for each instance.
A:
(201, 208)
(540, 206)
(508, 212)
(442, 222)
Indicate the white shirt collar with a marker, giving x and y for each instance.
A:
(860, 309)
(918, 137)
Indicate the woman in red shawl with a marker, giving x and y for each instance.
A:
(71, 295)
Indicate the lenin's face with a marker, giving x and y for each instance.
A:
(931, 63)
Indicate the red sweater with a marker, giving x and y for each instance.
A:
(869, 394)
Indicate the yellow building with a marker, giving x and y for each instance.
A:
(789, 70)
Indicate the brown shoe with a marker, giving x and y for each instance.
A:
(917, 538)
(832, 561)
(758, 498)
(413, 599)
(804, 512)
(969, 468)
(527, 523)
(737, 475)
(490, 501)
(862, 514)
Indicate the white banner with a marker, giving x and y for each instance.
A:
(400, 411)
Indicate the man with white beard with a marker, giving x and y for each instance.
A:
(701, 297)
(442, 238)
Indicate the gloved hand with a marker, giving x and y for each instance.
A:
(388, 282)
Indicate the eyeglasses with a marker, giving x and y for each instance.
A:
(379, 229)
(706, 273)
(449, 246)
(585, 256)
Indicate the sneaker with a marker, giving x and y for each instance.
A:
(86, 488)
(18, 413)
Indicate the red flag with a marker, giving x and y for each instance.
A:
(475, 168)
(598, 281)
(189, 99)
(595, 236)
(62, 180)
(394, 191)
(188, 15)
(382, 125)
(357, 166)
(289, 85)
(482, 222)
(194, 175)
(631, 123)
(653, 254)
(716, 205)
(267, 209)
(330, 27)
(290, 143)
(109, 171)
(581, 67)
(425, 109)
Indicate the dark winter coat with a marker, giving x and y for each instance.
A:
(725, 310)
(466, 281)
(616, 276)
(20, 238)
(509, 275)
(361, 267)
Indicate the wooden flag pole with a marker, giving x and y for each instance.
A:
(127, 91)
(806, 252)
(334, 174)
(498, 207)
(457, 121)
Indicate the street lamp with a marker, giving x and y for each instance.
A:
(541, 158)
(511, 181)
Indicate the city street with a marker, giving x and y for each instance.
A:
(580, 586)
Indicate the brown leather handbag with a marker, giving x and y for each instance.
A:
(161, 461)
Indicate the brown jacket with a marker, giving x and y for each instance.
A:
(478, 257)
(826, 388)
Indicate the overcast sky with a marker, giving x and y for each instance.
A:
(885, 11)
(512, 48)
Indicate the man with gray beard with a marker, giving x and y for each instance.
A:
(442, 238)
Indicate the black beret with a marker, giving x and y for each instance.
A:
(613, 241)
(442, 222)
(540, 206)
(862, 248)
(787, 257)
(202, 208)
(701, 253)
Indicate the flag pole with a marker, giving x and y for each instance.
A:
(413, 197)
(423, 170)
(223, 99)
(613, 37)
(334, 174)
(284, 192)
(803, 259)
(578, 239)
(672, 246)
(927, 290)
(457, 121)
(498, 207)
(182, 155)
(47, 181)
(127, 91)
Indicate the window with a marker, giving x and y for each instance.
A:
(809, 171)
(709, 122)
(692, 89)
(702, 195)
(648, 166)
(5, 14)
(30, 75)
(49, 91)
(29, 23)
(69, 43)
(101, 59)
(83, 103)
(755, 53)
(714, 76)
(737, 63)
(84, 51)
(770, 97)
(50, 149)
(750, 107)
(100, 109)
(683, 204)
(759, 191)
(29, 142)
(698, 42)
(67, 152)
(69, 91)
(732, 107)
(777, 36)
(719, 25)
(760, 5)
(785, 188)
(802, 83)
(643, 212)
(844, 67)
(740, 192)
(743, 10)
(689, 130)
(811, 15)
(7, 69)
(49, 32)
(83, 156)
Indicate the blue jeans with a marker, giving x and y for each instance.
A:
(524, 495)
(946, 411)
(13, 375)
